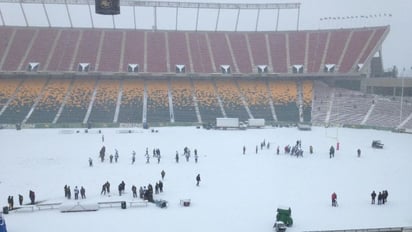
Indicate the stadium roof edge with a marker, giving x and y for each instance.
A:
(199, 31)
(171, 4)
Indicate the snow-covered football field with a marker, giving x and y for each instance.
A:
(237, 192)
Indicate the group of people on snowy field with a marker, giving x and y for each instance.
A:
(146, 193)
(187, 155)
(116, 156)
(76, 191)
(296, 150)
(10, 200)
(156, 154)
(382, 197)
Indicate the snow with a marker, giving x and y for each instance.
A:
(237, 192)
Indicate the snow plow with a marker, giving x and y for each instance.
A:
(283, 219)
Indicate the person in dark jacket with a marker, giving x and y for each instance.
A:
(32, 197)
(373, 196)
(331, 152)
(20, 199)
(134, 191)
(197, 179)
(10, 200)
(83, 192)
(163, 173)
(334, 199)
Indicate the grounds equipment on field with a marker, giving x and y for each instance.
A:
(284, 215)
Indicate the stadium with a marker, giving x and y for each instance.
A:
(59, 77)
(68, 89)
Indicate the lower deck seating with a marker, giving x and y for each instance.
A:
(284, 95)
(207, 101)
(387, 112)
(24, 100)
(45, 96)
(7, 88)
(131, 107)
(157, 101)
(231, 99)
(183, 104)
(52, 98)
(78, 101)
(104, 105)
(256, 95)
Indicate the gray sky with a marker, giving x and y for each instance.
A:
(397, 48)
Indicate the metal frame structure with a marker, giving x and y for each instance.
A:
(160, 4)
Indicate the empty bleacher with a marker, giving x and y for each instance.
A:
(183, 105)
(316, 49)
(200, 53)
(178, 51)
(258, 48)
(207, 101)
(358, 40)
(256, 95)
(240, 52)
(277, 44)
(349, 107)
(131, 107)
(25, 98)
(88, 48)
(156, 55)
(297, 47)
(157, 101)
(41, 47)
(284, 95)
(50, 102)
(379, 32)
(220, 50)
(134, 52)
(104, 105)
(337, 43)
(387, 112)
(231, 101)
(111, 52)
(62, 55)
(321, 102)
(78, 101)
(8, 87)
(6, 36)
(307, 88)
(18, 47)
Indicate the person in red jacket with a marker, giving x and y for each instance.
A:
(334, 200)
